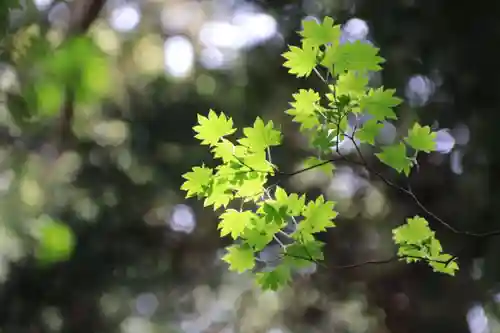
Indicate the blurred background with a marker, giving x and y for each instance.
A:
(95, 133)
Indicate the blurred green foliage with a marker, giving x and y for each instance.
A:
(56, 241)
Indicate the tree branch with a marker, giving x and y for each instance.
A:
(83, 14)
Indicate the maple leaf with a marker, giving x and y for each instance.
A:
(435, 247)
(356, 56)
(212, 128)
(219, 194)
(446, 264)
(293, 202)
(234, 222)
(395, 157)
(228, 152)
(417, 242)
(257, 161)
(300, 61)
(305, 100)
(274, 212)
(302, 254)
(274, 279)
(319, 34)
(260, 136)
(251, 189)
(258, 239)
(318, 216)
(304, 107)
(240, 258)
(324, 138)
(416, 230)
(197, 181)
(421, 138)
(351, 83)
(379, 103)
(369, 131)
(411, 253)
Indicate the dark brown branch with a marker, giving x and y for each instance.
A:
(371, 262)
(83, 14)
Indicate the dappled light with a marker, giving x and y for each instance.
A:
(179, 56)
(419, 90)
(125, 18)
(183, 219)
(477, 320)
(356, 29)
(146, 304)
(59, 15)
(444, 141)
(43, 4)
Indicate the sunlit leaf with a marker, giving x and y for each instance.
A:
(300, 61)
(261, 136)
(319, 34)
(274, 279)
(379, 103)
(213, 128)
(395, 157)
(421, 138)
(240, 258)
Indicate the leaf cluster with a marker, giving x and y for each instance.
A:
(266, 211)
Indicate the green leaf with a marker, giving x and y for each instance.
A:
(259, 238)
(303, 254)
(234, 222)
(304, 108)
(228, 152)
(300, 61)
(274, 212)
(240, 258)
(274, 279)
(434, 247)
(293, 202)
(369, 131)
(446, 266)
(416, 230)
(251, 189)
(319, 34)
(325, 138)
(218, 194)
(417, 242)
(257, 161)
(318, 216)
(411, 253)
(325, 166)
(352, 84)
(306, 100)
(260, 136)
(197, 181)
(395, 157)
(212, 129)
(379, 103)
(356, 56)
(421, 138)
